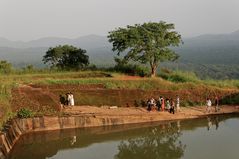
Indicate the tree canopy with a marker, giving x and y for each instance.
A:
(147, 43)
(66, 57)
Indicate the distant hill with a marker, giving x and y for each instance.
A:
(85, 41)
(22, 53)
(211, 49)
(208, 55)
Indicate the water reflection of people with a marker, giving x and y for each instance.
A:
(209, 123)
(73, 140)
(212, 121)
(179, 126)
(216, 122)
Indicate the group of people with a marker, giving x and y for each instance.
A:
(209, 104)
(67, 100)
(164, 104)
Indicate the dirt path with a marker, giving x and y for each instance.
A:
(185, 113)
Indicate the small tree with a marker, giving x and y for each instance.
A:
(5, 67)
(146, 43)
(66, 57)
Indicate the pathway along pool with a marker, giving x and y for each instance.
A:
(214, 137)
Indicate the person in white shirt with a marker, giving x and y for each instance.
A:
(68, 99)
(72, 102)
(209, 105)
(177, 103)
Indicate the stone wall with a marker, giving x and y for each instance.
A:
(17, 127)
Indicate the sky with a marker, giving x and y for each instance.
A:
(32, 19)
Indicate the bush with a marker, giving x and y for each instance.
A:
(232, 99)
(24, 113)
(123, 66)
(178, 76)
(5, 67)
(131, 69)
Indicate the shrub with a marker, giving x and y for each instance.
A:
(178, 76)
(230, 100)
(126, 67)
(131, 69)
(5, 67)
(24, 113)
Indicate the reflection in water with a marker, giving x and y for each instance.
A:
(151, 141)
(156, 143)
(211, 121)
(73, 140)
(216, 122)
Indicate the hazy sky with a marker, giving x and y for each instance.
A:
(33, 19)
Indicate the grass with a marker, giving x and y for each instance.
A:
(172, 81)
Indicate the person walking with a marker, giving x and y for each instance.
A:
(209, 104)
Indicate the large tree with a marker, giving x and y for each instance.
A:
(66, 57)
(147, 43)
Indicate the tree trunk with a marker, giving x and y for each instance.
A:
(153, 70)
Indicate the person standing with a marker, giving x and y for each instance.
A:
(159, 103)
(168, 104)
(209, 104)
(177, 103)
(162, 104)
(68, 98)
(152, 103)
(148, 105)
(216, 104)
(72, 102)
(172, 106)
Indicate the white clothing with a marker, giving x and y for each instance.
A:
(177, 103)
(168, 104)
(69, 99)
(72, 102)
(209, 103)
